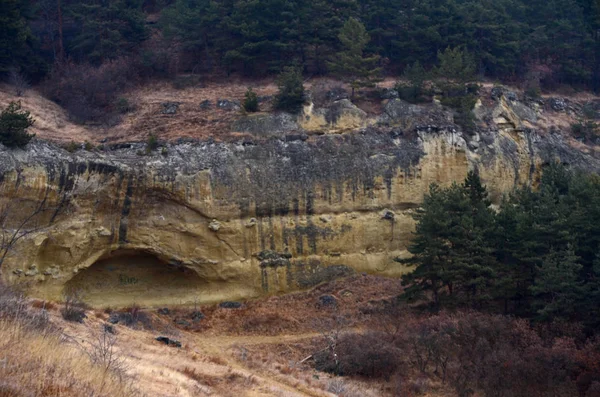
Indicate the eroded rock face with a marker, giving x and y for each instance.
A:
(227, 221)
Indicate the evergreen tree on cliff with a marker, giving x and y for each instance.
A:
(350, 63)
(453, 246)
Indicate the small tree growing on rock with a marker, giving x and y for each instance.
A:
(290, 97)
(250, 101)
(14, 123)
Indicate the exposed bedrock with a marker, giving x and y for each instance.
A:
(282, 211)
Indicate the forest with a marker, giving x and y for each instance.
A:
(536, 255)
(531, 42)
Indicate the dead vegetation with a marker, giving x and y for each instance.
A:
(35, 361)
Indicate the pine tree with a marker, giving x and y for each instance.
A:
(455, 64)
(14, 34)
(429, 248)
(558, 288)
(290, 97)
(107, 31)
(14, 123)
(453, 249)
(350, 63)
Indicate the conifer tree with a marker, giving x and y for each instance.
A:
(14, 34)
(350, 63)
(558, 288)
(14, 123)
(290, 97)
(107, 31)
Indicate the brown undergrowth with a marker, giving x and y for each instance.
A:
(36, 361)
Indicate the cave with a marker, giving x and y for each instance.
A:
(127, 277)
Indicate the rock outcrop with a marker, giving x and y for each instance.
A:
(213, 221)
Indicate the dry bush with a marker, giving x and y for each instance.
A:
(369, 355)
(74, 308)
(89, 93)
(41, 304)
(327, 91)
(18, 81)
(498, 356)
(133, 317)
(36, 363)
(104, 354)
(15, 307)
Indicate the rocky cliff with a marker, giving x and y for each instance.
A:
(289, 204)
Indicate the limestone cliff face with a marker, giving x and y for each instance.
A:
(283, 210)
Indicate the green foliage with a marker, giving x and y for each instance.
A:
(455, 64)
(414, 91)
(123, 105)
(290, 96)
(451, 247)
(250, 101)
(350, 63)
(536, 256)
(72, 147)
(14, 33)
(14, 123)
(151, 143)
(552, 42)
(107, 30)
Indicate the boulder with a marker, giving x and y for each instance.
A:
(170, 107)
(226, 104)
(558, 104)
(214, 225)
(341, 115)
(389, 93)
(499, 91)
(168, 341)
(327, 301)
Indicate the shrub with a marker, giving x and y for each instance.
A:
(497, 355)
(290, 97)
(123, 106)
(414, 91)
(461, 98)
(74, 308)
(72, 147)
(18, 81)
(151, 143)
(14, 123)
(368, 355)
(586, 130)
(250, 101)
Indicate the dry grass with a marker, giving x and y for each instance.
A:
(42, 304)
(37, 363)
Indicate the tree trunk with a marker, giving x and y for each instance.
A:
(61, 48)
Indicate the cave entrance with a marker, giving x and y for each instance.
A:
(135, 277)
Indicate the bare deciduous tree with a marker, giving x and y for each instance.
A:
(18, 81)
(104, 353)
